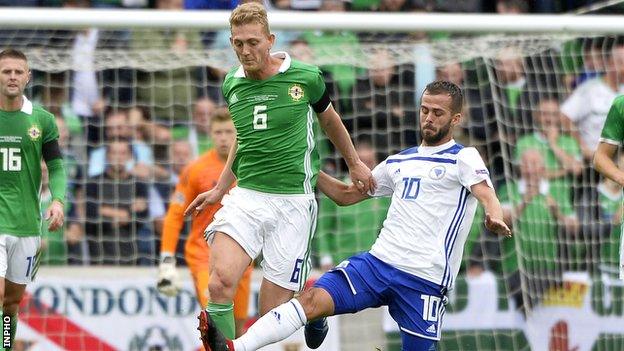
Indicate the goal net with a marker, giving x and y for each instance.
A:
(534, 106)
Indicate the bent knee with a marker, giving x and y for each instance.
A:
(221, 284)
(316, 303)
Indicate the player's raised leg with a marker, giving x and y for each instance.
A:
(272, 295)
(349, 288)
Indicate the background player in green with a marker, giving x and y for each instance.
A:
(611, 138)
(272, 100)
(27, 134)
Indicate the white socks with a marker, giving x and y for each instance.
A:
(278, 324)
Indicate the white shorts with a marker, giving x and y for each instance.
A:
(281, 226)
(19, 258)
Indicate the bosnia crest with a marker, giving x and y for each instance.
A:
(295, 92)
(33, 132)
(437, 172)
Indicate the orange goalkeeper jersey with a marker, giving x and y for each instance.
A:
(199, 176)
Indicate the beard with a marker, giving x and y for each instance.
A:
(435, 138)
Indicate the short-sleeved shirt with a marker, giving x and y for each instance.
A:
(274, 121)
(613, 129)
(22, 135)
(587, 107)
(535, 227)
(431, 211)
(538, 142)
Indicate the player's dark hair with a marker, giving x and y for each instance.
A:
(13, 53)
(445, 87)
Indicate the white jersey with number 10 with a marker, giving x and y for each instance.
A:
(432, 209)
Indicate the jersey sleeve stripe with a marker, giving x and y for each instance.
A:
(422, 158)
(610, 141)
(307, 158)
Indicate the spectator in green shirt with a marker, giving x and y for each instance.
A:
(538, 212)
(561, 152)
(346, 231)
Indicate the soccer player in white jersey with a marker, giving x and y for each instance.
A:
(415, 260)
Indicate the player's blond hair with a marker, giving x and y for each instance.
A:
(250, 13)
(221, 114)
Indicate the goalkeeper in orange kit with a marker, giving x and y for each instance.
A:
(200, 176)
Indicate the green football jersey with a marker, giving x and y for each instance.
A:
(22, 134)
(536, 228)
(274, 123)
(613, 129)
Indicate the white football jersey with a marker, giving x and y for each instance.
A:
(431, 211)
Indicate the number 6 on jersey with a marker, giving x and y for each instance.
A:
(260, 118)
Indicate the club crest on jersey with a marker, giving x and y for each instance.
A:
(437, 172)
(295, 92)
(33, 132)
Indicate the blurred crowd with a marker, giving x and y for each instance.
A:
(536, 117)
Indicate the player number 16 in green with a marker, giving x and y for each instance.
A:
(11, 159)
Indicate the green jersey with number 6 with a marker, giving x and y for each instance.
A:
(22, 135)
(274, 121)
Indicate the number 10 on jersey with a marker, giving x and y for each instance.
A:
(411, 188)
(259, 117)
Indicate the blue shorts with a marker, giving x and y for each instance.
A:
(363, 281)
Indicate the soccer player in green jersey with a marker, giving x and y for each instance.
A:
(272, 100)
(611, 138)
(27, 134)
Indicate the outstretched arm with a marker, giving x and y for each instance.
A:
(55, 213)
(493, 210)
(339, 192)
